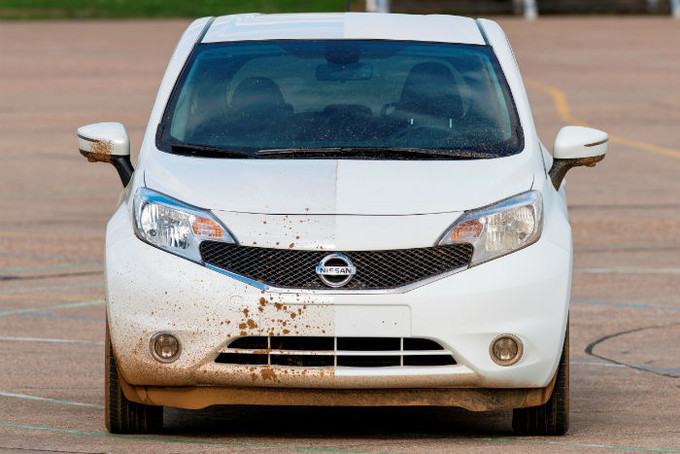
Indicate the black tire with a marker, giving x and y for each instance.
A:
(551, 418)
(123, 416)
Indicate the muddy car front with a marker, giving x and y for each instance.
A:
(385, 298)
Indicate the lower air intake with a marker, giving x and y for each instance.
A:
(335, 352)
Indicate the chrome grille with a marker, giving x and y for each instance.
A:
(335, 352)
(295, 269)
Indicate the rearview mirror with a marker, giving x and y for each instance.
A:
(341, 73)
(107, 142)
(576, 146)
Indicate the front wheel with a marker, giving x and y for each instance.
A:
(551, 418)
(123, 416)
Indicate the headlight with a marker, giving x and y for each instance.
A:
(174, 226)
(499, 229)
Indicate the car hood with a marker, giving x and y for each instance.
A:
(339, 187)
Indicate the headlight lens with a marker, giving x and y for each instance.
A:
(499, 229)
(174, 226)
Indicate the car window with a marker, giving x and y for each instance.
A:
(377, 95)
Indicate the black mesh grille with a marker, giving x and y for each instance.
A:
(335, 352)
(286, 268)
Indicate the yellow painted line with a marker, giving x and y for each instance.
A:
(560, 100)
(563, 110)
(645, 146)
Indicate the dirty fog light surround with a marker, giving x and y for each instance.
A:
(165, 347)
(506, 349)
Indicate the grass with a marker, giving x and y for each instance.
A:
(101, 9)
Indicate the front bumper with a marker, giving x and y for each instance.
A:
(525, 294)
(473, 399)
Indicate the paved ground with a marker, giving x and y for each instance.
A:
(621, 75)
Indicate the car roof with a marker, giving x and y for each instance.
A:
(360, 26)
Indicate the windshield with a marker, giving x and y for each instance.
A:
(370, 99)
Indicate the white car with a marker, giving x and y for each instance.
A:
(340, 209)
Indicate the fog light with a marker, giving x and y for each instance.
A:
(506, 349)
(164, 347)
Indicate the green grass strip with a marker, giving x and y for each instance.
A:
(179, 440)
(80, 9)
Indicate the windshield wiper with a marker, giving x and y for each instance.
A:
(373, 152)
(207, 151)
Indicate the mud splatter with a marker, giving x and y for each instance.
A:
(100, 151)
(268, 374)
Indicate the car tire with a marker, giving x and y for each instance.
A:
(122, 415)
(551, 418)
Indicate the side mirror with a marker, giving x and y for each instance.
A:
(576, 146)
(107, 142)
